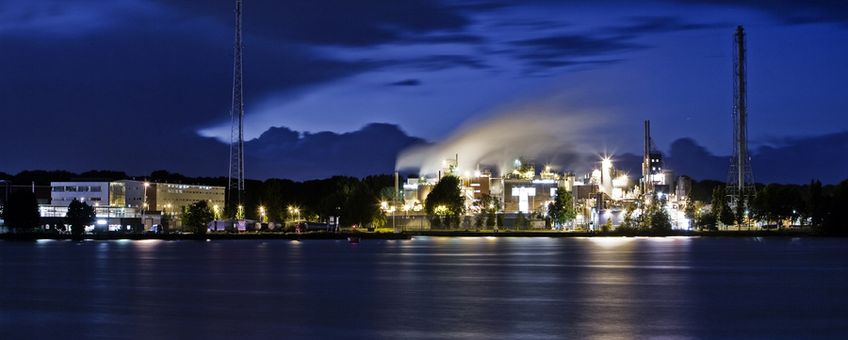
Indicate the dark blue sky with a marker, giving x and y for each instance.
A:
(133, 84)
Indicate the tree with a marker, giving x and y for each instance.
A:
(777, 203)
(197, 217)
(660, 221)
(706, 220)
(691, 211)
(561, 210)
(489, 206)
(836, 217)
(720, 210)
(362, 208)
(521, 220)
(445, 202)
(21, 211)
(79, 215)
(739, 211)
(815, 203)
(654, 216)
(628, 222)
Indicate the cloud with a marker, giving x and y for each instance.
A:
(446, 39)
(571, 49)
(69, 18)
(334, 22)
(130, 87)
(640, 25)
(790, 12)
(791, 160)
(283, 153)
(406, 82)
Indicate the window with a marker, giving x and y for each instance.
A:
(71, 189)
(58, 189)
(95, 189)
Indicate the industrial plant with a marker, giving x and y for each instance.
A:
(605, 195)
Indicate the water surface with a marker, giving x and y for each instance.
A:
(489, 288)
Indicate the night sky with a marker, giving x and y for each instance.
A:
(138, 85)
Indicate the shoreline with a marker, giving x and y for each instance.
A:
(403, 235)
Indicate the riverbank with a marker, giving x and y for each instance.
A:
(408, 235)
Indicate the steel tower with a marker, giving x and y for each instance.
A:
(740, 179)
(235, 183)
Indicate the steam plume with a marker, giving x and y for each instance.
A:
(532, 131)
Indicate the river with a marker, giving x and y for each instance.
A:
(427, 287)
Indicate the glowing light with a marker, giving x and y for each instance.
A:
(620, 181)
(101, 222)
(610, 242)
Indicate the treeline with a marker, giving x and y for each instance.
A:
(355, 200)
(822, 207)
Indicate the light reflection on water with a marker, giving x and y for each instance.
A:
(428, 287)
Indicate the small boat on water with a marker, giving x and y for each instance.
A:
(353, 239)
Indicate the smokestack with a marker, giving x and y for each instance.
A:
(397, 189)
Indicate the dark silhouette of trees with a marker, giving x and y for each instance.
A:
(836, 218)
(363, 208)
(197, 217)
(720, 209)
(79, 215)
(21, 211)
(445, 203)
(814, 203)
(777, 203)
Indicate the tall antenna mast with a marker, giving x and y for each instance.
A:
(235, 183)
(740, 181)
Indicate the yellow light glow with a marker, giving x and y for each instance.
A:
(610, 242)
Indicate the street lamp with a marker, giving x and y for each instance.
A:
(262, 214)
(144, 199)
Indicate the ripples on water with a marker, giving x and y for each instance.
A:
(489, 288)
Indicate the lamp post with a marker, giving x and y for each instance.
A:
(144, 202)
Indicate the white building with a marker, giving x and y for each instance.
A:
(94, 193)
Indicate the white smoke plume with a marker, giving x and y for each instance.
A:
(541, 131)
